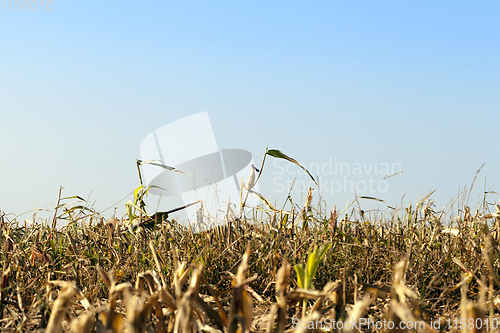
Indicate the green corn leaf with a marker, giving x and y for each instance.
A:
(278, 154)
(313, 260)
(370, 198)
(312, 266)
(136, 192)
(130, 211)
(323, 251)
(300, 275)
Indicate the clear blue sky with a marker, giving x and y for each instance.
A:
(414, 83)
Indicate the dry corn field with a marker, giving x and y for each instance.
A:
(305, 269)
(270, 274)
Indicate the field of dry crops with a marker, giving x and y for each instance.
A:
(261, 274)
(305, 269)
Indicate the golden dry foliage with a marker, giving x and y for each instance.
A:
(413, 266)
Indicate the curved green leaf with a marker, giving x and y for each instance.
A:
(278, 154)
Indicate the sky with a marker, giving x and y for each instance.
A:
(409, 85)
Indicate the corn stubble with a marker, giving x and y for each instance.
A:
(264, 274)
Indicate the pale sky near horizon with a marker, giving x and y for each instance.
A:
(362, 83)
